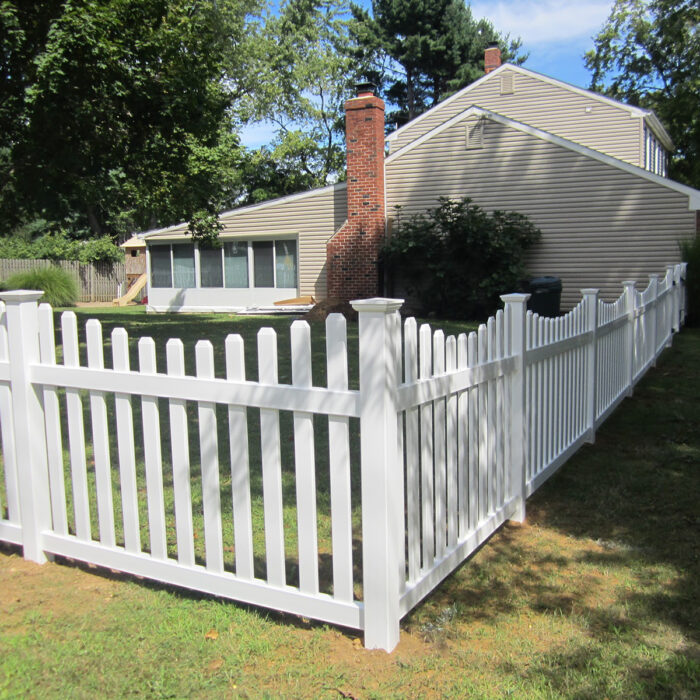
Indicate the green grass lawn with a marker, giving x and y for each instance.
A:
(595, 596)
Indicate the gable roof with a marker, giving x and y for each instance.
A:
(692, 194)
(640, 112)
(182, 226)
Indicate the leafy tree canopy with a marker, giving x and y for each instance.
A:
(421, 51)
(648, 54)
(117, 113)
(304, 70)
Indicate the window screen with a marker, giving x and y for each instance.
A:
(161, 273)
(211, 271)
(236, 263)
(263, 272)
(286, 264)
(183, 266)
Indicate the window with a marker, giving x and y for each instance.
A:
(263, 267)
(210, 268)
(183, 266)
(161, 269)
(236, 264)
(286, 264)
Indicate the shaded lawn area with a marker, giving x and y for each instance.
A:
(595, 596)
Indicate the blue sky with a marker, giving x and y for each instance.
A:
(555, 33)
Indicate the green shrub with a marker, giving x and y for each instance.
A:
(456, 259)
(690, 253)
(58, 286)
(58, 246)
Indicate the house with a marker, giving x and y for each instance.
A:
(589, 171)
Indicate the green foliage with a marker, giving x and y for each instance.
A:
(648, 54)
(305, 70)
(116, 115)
(421, 51)
(58, 246)
(456, 260)
(58, 286)
(690, 253)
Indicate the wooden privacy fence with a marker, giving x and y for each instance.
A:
(96, 281)
(190, 480)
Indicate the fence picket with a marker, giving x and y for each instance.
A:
(439, 447)
(9, 451)
(305, 462)
(152, 455)
(451, 437)
(412, 446)
(473, 440)
(492, 465)
(339, 461)
(271, 462)
(180, 452)
(209, 455)
(125, 446)
(100, 438)
(483, 427)
(240, 464)
(462, 442)
(76, 430)
(499, 422)
(426, 438)
(52, 420)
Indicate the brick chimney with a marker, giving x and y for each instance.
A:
(352, 253)
(492, 57)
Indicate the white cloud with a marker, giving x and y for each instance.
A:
(548, 22)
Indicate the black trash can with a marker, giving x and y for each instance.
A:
(545, 295)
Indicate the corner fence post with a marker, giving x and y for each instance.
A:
(631, 308)
(590, 301)
(382, 508)
(516, 311)
(30, 438)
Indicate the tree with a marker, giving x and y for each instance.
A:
(421, 51)
(304, 70)
(648, 54)
(118, 114)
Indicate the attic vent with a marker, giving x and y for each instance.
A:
(475, 135)
(507, 84)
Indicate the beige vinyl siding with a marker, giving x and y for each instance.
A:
(606, 128)
(600, 224)
(313, 217)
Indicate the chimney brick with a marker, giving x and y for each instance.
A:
(492, 58)
(353, 251)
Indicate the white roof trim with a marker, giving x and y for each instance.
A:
(635, 111)
(157, 233)
(692, 194)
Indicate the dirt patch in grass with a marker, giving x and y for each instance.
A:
(52, 589)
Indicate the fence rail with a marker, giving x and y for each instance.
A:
(252, 490)
(96, 281)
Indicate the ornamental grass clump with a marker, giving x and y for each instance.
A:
(58, 286)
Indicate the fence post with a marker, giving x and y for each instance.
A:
(382, 509)
(30, 440)
(516, 310)
(676, 324)
(631, 307)
(654, 302)
(683, 293)
(590, 301)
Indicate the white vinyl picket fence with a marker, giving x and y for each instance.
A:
(183, 478)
